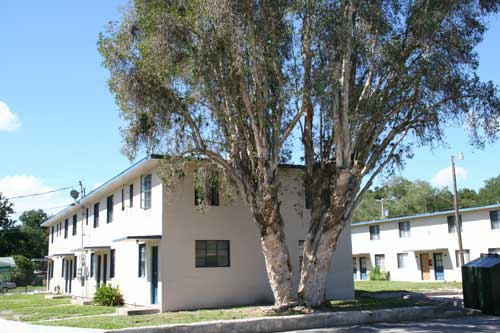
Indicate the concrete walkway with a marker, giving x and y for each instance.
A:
(8, 326)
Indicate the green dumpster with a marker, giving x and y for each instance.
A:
(481, 284)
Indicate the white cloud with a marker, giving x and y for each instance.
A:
(13, 186)
(9, 121)
(444, 176)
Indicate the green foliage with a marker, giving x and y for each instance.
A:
(490, 193)
(108, 295)
(23, 274)
(377, 275)
(6, 209)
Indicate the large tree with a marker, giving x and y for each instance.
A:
(215, 79)
(385, 76)
(6, 210)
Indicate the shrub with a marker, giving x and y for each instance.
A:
(377, 275)
(108, 296)
(23, 274)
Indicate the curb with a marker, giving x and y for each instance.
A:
(302, 322)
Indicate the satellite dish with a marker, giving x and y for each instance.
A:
(74, 194)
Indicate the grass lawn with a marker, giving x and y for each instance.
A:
(184, 317)
(395, 286)
(36, 307)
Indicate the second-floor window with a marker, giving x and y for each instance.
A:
(109, 209)
(495, 219)
(87, 216)
(66, 223)
(146, 192)
(96, 215)
(74, 225)
(374, 232)
(404, 229)
(123, 199)
(452, 228)
(131, 195)
(52, 234)
(206, 190)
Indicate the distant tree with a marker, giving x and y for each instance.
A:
(23, 274)
(490, 192)
(36, 236)
(6, 209)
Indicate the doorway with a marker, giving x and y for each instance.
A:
(424, 265)
(98, 271)
(362, 268)
(68, 275)
(104, 268)
(438, 267)
(154, 274)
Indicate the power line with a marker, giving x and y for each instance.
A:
(41, 193)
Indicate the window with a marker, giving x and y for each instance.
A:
(66, 223)
(494, 251)
(109, 209)
(307, 198)
(74, 267)
(62, 268)
(74, 225)
(402, 260)
(87, 216)
(112, 263)
(92, 260)
(146, 192)
(52, 234)
(57, 231)
(466, 257)
(452, 228)
(380, 261)
(142, 260)
(123, 199)
(495, 219)
(212, 253)
(96, 215)
(207, 191)
(404, 229)
(301, 253)
(374, 232)
(131, 195)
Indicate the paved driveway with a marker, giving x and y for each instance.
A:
(473, 324)
(8, 326)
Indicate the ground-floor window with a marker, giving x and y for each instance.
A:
(380, 261)
(466, 257)
(212, 253)
(402, 260)
(142, 260)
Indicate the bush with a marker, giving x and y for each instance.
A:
(108, 296)
(377, 275)
(23, 274)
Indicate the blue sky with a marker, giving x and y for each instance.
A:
(66, 124)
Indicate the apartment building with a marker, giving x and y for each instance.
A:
(424, 247)
(155, 244)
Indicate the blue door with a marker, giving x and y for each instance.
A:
(438, 266)
(154, 274)
(362, 268)
(354, 269)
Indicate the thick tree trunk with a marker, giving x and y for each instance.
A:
(318, 251)
(268, 218)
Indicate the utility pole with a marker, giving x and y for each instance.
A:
(457, 212)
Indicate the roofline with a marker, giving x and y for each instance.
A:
(88, 197)
(417, 216)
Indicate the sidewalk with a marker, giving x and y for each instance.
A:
(8, 326)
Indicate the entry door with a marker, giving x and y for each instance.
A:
(438, 266)
(154, 274)
(98, 271)
(424, 265)
(68, 275)
(104, 268)
(362, 268)
(354, 269)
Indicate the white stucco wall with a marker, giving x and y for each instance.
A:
(428, 235)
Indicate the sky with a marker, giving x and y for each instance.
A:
(59, 124)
